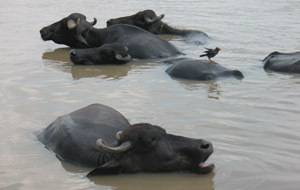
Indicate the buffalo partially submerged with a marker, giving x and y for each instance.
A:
(100, 137)
(149, 21)
(76, 32)
(199, 70)
(283, 62)
(107, 54)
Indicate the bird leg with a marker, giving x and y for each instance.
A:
(211, 61)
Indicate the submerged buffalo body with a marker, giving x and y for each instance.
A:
(107, 54)
(283, 62)
(73, 136)
(76, 32)
(199, 70)
(149, 21)
(100, 137)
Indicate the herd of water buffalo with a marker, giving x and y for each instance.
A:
(99, 136)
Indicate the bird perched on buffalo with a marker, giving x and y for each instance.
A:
(211, 53)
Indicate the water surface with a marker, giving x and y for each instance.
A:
(253, 123)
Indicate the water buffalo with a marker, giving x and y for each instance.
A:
(199, 69)
(107, 54)
(149, 21)
(76, 32)
(100, 137)
(283, 62)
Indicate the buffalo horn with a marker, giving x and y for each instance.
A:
(94, 22)
(118, 135)
(101, 145)
(149, 20)
(121, 58)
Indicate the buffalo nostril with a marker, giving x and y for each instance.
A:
(73, 53)
(205, 145)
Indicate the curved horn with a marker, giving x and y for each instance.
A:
(149, 20)
(118, 135)
(121, 58)
(161, 16)
(94, 22)
(101, 145)
(71, 24)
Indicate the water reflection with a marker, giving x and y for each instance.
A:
(74, 168)
(214, 90)
(163, 181)
(106, 71)
(58, 55)
(282, 74)
(61, 55)
(147, 181)
(212, 86)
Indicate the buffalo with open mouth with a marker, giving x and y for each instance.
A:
(100, 137)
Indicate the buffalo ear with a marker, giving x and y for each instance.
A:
(111, 168)
(78, 28)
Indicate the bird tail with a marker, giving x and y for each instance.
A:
(203, 55)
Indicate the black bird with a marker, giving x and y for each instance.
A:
(211, 53)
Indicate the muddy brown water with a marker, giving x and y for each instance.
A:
(253, 123)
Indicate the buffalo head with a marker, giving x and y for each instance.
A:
(69, 31)
(143, 19)
(148, 148)
(114, 53)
